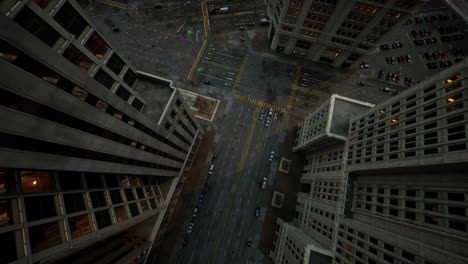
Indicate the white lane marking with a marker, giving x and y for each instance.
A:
(196, 36)
(181, 27)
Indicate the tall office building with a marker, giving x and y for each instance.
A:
(91, 150)
(336, 32)
(396, 190)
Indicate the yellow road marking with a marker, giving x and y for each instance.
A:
(114, 3)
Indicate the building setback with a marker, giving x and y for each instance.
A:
(91, 151)
(395, 191)
(336, 32)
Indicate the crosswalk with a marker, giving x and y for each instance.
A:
(235, 87)
(292, 94)
(260, 103)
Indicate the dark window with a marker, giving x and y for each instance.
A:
(103, 219)
(42, 3)
(457, 225)
(70, 180)
(134, 209)
(410, 215)
(173, 114)
(456, 197)
(137, 104)
(129, 194)
(121, 213)
(40, 207)
(75, 56)
(393, 212)
(411, 204)
(389, 247)
(6, 212)
(8, 244)
(178, 103)
(408, 256)
(153, 203)
(388, 258)
(115, 64)
(94, 180)
(431, 220)
(36, 26)
(130, 77)
(103, 78)
(123, 93)
(457, 211)
(7, 184)
(74, 202)
(116, 196)
(374, 240)
(70, 19)
(79, 226)
(44, 236)
(140, 193)
(97, 45)
(111, 180)
(98, 199)
(411, 193)
(394, 202)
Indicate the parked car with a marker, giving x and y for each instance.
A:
(264, 183)
(272, 155)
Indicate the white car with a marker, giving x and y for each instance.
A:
(190, 227)
(267, 123)
(272, 155)
(211, 169)
(270, 112)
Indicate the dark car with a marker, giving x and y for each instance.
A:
(185, 243)
(158, 7)
(257, 211)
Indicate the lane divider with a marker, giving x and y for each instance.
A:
(114, 3)
(198, 58)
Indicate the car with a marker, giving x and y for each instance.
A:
(361, 84)
(207, 82)
(267, 122)
(215, 156)
(185, 243)
(190, 228)
(249, 243)
(257, 211)
(398, 79)
(201, 196)
(364, 65)
(242, 28)
(385, 89)
(261, 116)
(381, 74)
(272, 155)
(241, 38)
(211, 169)
(270, 112)
(264, 183)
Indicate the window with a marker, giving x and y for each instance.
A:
(134, 209)
(36, 26)
(121, 213)
(36, 181)
(97, 45)
(140, 193)
(103, 219)
(6, 181)
(111, 180)
(116, 196)
(431, 220)
(80, 93)
(123, 93)
(45, 236)
(103, 78)
(74, 202)
(124, 181)
(130, 77)
(98, 199)
(75, 56)
(79, 226)
(94, 180)
(42, 3)
(457, 225)
(137, 104)
(115, 63)
(70, 180)
(129, 194)
(456, 197)
(40, 207)
(70, 20)
(8, 244)
(457, 211)
(6, 212)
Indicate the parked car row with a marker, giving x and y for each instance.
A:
(439, 65)
(459, 52)
(395, 77)
(423, 42)
(422, 33)
(436, 55)
(268, 116)
(427, 19)
(452, 38)
(448, 30)
(394, 45)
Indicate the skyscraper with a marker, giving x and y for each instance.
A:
(396, 190)
(331, 31)
(91, 150)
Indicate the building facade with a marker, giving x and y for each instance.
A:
(91, 150)
(396, 190)
(336, 32)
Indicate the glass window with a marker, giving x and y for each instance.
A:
(36, 26)
(124, 181)
(42, 3)
(80, 93)
(75, 56)
(94, 180)
(8, 212)
(36, 181)
(134, 209)
(8, 244)
(45, 236)
(130, 77)
(115, 64)
(70, 180)
(153, 203)
(111, 180)
(137, 104)
(79, 226)
(6, 181)
(121, 213)
(129, 194)
(116, 196)
(103, 78)
(40, 207)
(97, 45)
(136, 180)
(98, 199)
(144, 206)
(70, 19)
(103, 219)
(140, 192)
(74, 202)
(123, 93)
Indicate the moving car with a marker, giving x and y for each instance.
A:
(211, 169)
(272, 155)
(257, 211)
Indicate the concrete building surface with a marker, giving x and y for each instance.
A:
(335, 32)
(328, 124)
(395, 190)
(91, 150)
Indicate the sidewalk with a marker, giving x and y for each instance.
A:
(289, 185)
(192, 186)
